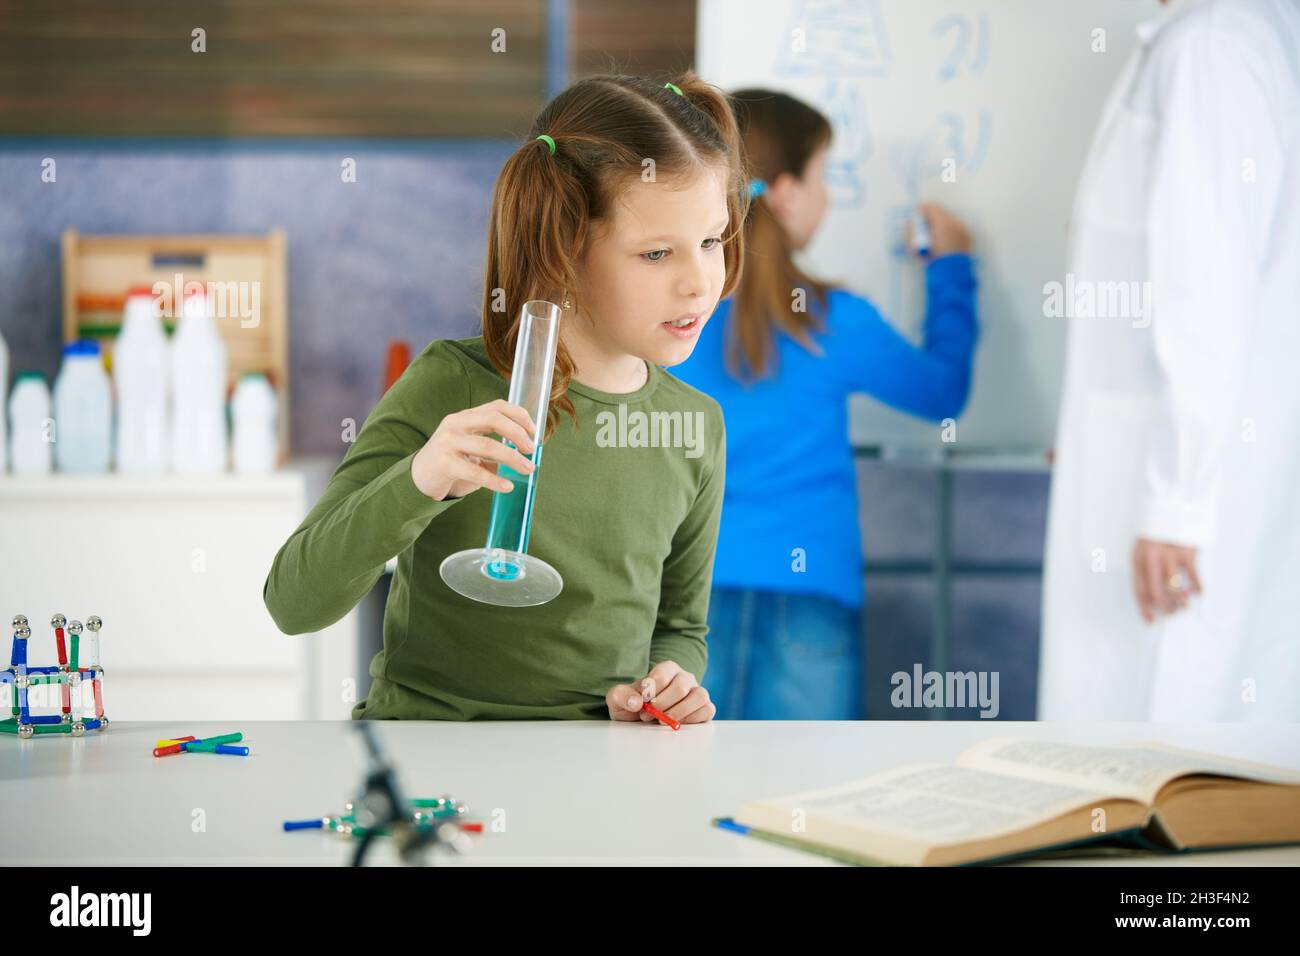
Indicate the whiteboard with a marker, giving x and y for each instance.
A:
(987, 108)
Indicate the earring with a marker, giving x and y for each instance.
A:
(567, 303)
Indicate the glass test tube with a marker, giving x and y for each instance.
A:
(503, 572)
(530, 388)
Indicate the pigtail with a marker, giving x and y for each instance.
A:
(779, 134)
(536, 231)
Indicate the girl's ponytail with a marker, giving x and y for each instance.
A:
(536, 230)
(780, 135)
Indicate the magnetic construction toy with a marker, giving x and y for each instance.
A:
(382, 810)
(427, 812)
(68, 674)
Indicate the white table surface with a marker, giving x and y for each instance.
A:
(573, 792)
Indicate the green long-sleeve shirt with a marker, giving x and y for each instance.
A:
(627, 510)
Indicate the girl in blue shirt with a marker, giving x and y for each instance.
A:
(785, 613)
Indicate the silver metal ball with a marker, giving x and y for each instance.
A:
(74, 627)
(74, 678)
(23, 633)
(449, 834)
(366, 817)
(78, 729)
(26, 731)
(22, 681)
(58, 620)
(66, 719)
(94, 623)
(103, 722)
(20, 620)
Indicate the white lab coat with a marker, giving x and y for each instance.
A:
(1188, 429)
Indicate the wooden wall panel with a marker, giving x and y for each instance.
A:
(374, 68)
(631, 36)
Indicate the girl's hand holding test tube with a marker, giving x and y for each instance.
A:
(453, 462)
(681, 697)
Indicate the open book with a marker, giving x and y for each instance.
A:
(1009, 798)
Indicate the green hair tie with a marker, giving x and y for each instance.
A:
(674, 89)
(549, 142)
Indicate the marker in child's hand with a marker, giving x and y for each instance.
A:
(659, 715)
(649, 709)
(920, 232)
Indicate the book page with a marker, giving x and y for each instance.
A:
(1137, 772)
(935, 803)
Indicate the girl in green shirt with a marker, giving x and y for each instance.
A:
(623, 204)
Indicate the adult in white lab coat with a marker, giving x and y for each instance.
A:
(1172, 573)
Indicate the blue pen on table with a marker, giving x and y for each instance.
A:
(727, 823)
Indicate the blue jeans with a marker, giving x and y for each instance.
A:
(777, 656)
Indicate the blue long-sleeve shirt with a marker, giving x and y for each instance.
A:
(790, 506)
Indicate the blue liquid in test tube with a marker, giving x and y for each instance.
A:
(512, 515)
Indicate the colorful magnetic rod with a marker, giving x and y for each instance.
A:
(68, 674)
(426, 812)
(211, 745)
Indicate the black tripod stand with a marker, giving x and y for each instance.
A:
(382, 805)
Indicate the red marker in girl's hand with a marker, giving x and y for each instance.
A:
(667, 689)
(659, 715)
(649, 711)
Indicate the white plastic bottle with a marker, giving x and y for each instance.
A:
(253, 412)
(31, 425)
(141, 365)
(83, 410)
(198, 381)
(4, 392)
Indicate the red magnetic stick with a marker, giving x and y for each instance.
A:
(659, 715)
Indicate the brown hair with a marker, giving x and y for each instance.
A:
(544, 206)
(780, 135)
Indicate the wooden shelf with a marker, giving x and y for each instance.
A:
(99, 270)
